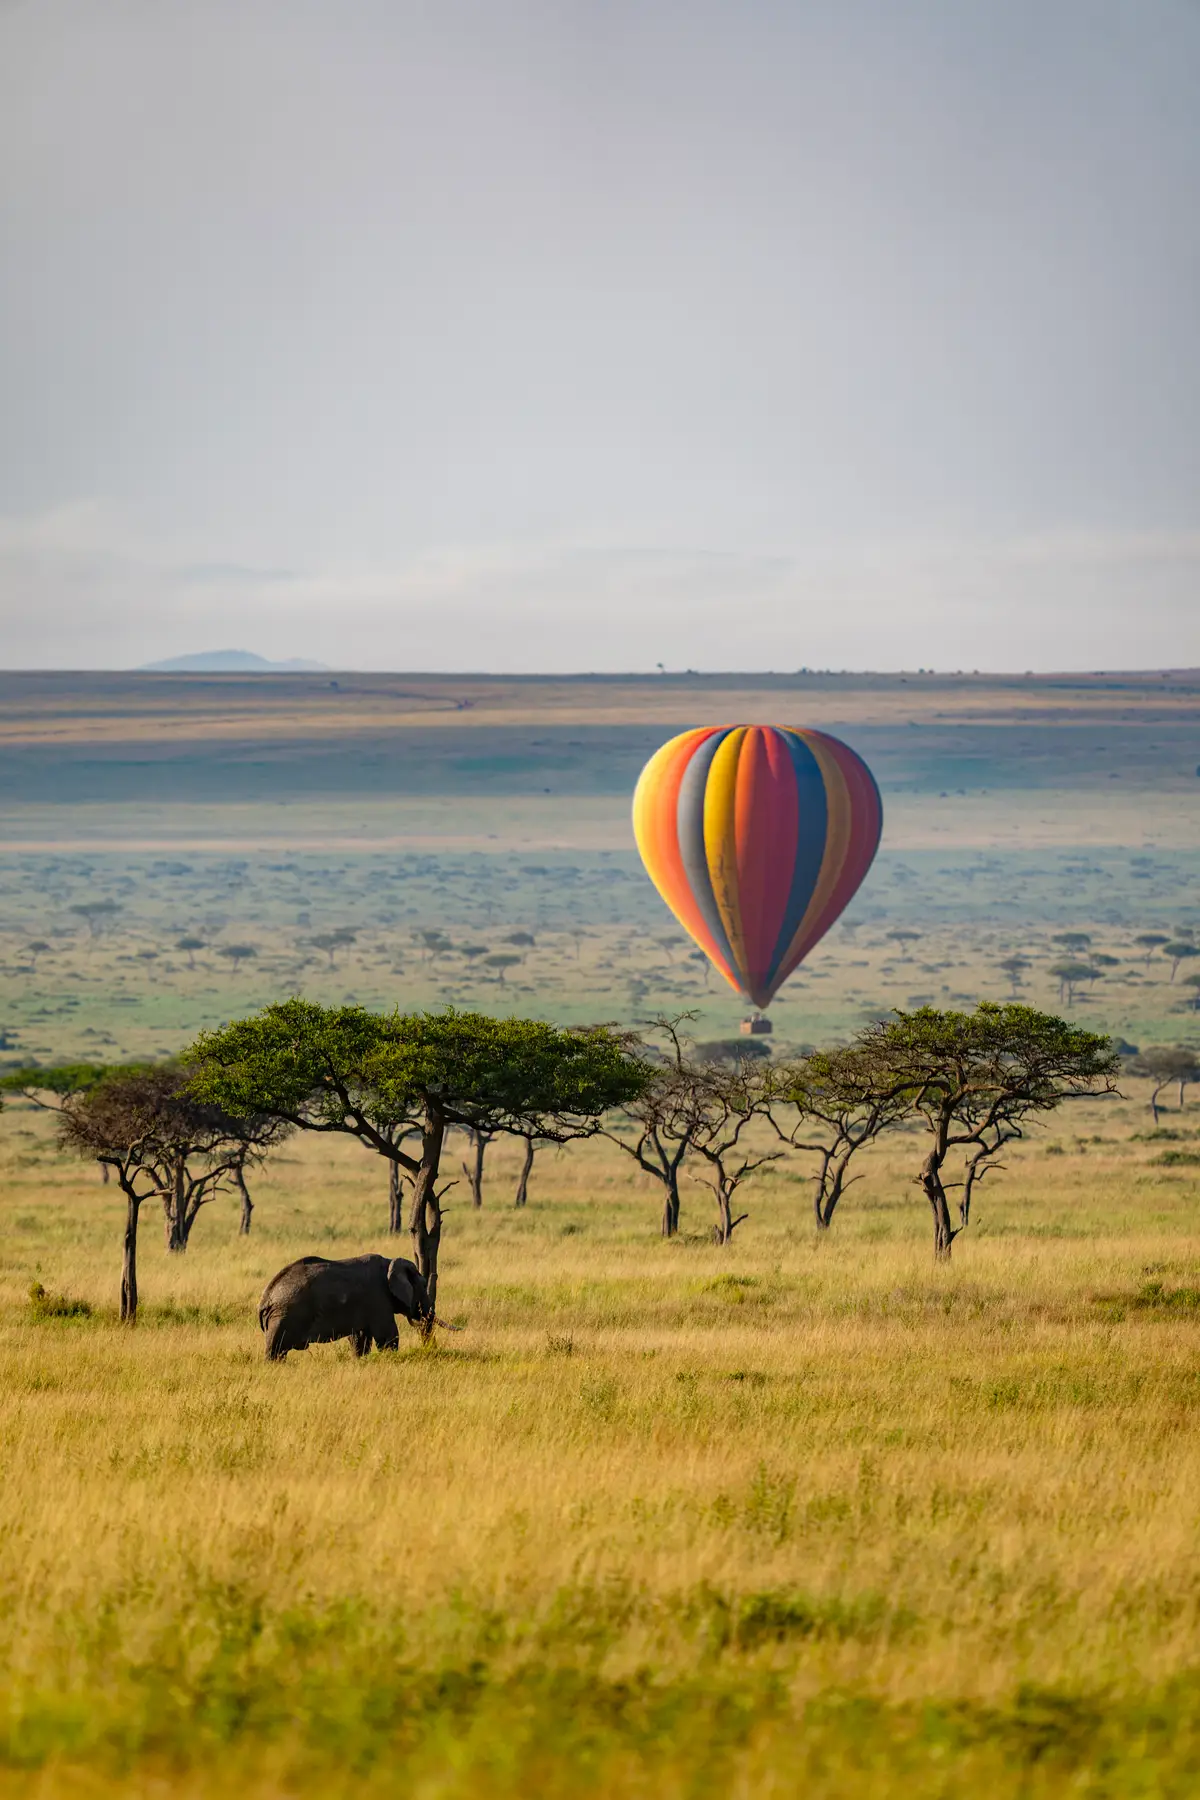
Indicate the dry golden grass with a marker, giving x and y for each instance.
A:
(663, 1519)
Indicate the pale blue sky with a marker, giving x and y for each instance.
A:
(593, 335)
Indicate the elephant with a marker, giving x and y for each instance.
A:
(315, 1301)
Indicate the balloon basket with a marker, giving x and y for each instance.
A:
(757, 1026)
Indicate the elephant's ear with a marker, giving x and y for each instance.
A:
(403, 1288)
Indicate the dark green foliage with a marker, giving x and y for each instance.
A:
(45, 1305)
(48, 1087)
(1155, 1297)
(347, 1069)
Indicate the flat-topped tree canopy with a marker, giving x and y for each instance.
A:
(351, 1070)
(48, 1088)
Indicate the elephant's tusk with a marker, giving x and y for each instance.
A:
(447, 1327)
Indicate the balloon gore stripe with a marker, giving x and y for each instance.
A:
(757, 837)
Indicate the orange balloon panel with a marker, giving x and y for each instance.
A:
(757, 837)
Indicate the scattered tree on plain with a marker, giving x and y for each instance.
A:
(1179, 950)
(96, 914)
(831, 1105)
(904, 939)
(660, 1119)
(1014, 967)
(1069, 976)
(238, 953)
(974, 1079)
(501, 961)
(724, 1101)
(1164, 1066)
(161, 1143)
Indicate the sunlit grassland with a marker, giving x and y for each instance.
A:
(662, 1520)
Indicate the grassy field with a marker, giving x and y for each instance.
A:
(661, 1520)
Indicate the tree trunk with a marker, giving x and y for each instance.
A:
(828, 1193)
(395, 1199)
(104, 1173)
(239, 1176)
(129, 1293)
(726, 1224)
(526, 1171)
(480, 1140)
(670, 1218)
(944, 1233)
(175, 1210)
(425, 1215)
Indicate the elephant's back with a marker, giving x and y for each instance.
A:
(299, 1279)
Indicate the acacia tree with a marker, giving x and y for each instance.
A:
(722, 1103)
(1177, 951)
(113, 1123)
(1069, 975)
(1164, 1066)
(1014, 967)
(839, 1106)
(370, 1075)
(660, 1122)
(162, 1144)
(974, 1079)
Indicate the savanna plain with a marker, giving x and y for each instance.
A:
(662, 1518)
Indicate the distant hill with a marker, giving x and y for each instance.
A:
(228, 662)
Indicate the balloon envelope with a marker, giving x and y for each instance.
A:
(756, 836)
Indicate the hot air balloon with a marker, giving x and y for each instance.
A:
(757, 837)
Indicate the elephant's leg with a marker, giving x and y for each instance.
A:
(280, 1337)
(361, 1341)
(382, 1326)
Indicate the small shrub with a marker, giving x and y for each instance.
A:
(46, 1305)
(559, 1346)
(1154, 1296)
